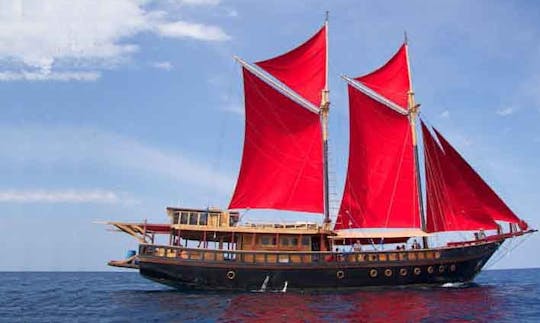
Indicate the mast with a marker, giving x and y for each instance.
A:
(325, 107)
(413, 113)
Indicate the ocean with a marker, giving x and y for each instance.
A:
(496, 296)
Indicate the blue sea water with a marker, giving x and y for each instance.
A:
(497, 296)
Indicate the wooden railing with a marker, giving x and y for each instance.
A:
(283, 257)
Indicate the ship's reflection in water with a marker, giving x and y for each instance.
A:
(477, 303)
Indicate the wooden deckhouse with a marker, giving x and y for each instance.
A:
(284, 167)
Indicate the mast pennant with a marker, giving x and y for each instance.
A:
(282, 161)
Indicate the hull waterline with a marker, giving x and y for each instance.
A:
(457, 264)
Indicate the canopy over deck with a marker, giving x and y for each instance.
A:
(377, 236)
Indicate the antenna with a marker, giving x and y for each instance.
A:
(405, 39)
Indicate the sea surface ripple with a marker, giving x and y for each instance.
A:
(496, 296)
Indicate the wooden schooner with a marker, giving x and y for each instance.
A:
(284, 167)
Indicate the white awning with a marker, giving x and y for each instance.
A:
(373, 234)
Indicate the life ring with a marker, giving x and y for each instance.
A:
(388, 272)
(373, 273)
(430, 269)
(417, 271)
(403, 272)
(340, 274)
(441, 268)
(231, 275)
(452, 267)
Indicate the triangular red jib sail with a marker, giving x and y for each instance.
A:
(392, 79)
(453, 203)
(302, 69)
(380, 188)
(282, 160)
(491, 203)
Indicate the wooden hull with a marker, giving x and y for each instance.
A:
(455, 264)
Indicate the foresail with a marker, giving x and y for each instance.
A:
(380, 188)
(491, 203)
(392, 79)
(282, 158)
(452, 203)
(302, 69)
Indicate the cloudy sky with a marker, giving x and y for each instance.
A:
(113, 110)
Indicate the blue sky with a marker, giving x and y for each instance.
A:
(113, 110)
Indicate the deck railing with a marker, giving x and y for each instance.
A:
(283, 257)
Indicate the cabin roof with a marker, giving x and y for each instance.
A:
(252, 228)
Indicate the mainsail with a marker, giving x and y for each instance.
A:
(473, 203)
(391, 80)
(282, 162)
(381, 188)
(302, 69)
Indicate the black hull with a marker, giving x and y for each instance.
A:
(457, 264)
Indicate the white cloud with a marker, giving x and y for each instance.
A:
(40, 146)
(445, 114)
(199, 2)
(166, 66)
(182, 29)
(45, 38)
(58, 196)
(54, 76)
(505, 111)
(234, 108)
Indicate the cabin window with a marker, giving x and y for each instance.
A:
(183, 218)
(193, 217)
(306, 241)
(268, 241)
(294, 241)
(284, 241)
(233, 218)
(203, 218)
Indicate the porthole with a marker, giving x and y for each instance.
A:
(430, 269)
(373, 273)
(417, 271)
(403, 272)
(452, 267)
(340, 274)
(388, 272)
(231, 275)
(441, 268)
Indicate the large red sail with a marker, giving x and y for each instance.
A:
(491, 203)
(303, 69)
(453, 203)
(392, 79)
(282, 159)
(380, 189)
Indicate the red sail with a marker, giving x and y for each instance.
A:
(452, 203)
(490, 201)
(303, 69)
(391, 80)
(282, 160)
(380, 189)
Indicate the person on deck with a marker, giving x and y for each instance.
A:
(357, 246)
(415, 245)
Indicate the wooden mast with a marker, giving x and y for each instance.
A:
(413, 113)
(325, 107)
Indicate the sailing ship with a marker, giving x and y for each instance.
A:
(284, 167)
